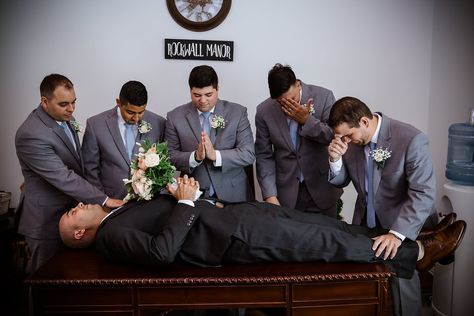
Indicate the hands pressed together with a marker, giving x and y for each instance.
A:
(185, 189)
(205, 149)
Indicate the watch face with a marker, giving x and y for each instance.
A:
(199, 15)
(198, 10)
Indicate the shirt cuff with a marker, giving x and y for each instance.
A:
(192, 162)
(398, 235)
(335, 166)
(188, 202)
(105, 201)
(218, 162)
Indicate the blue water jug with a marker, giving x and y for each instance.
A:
(460, 164)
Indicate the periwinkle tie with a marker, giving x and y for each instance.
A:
(68, 133)
(293, 126)
(370, 188)
(129, 139)
(206, 127)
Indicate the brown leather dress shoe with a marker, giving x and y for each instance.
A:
(445, 222)
(441, 244)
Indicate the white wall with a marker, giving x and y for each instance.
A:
(377, 50)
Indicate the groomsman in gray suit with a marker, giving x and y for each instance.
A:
(211, 139)
(110, 138)
(49, 153)
(291, 144)
(390, 166)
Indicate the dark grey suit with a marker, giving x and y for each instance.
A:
(106, 161)
(278, 164)
(235, 143)
(404, 191)
(53, 182)
(160, 231)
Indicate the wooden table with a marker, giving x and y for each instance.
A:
(80, 282)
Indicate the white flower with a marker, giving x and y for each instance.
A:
(380, 155)
(76, 126)
(152, 160)
(217, 121)
(311, 109)
(144, 127)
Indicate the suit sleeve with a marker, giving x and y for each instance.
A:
(243, 154)
(92, 157)
(40, 156)
(317, 129)
(129, 244)
(180, 159)
(421, 188)
(266, 165)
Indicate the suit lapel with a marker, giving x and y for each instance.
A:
(280, 119)
(50, 122)
(383, 141)
(192, 118)
(219, 110)
(112, 126)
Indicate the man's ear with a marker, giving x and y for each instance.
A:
(79, 233)
(364, 121)
(44, 103)
(117, 101)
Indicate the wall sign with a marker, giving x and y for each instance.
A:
(199, 49)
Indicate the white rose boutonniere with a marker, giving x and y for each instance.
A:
(217, 121)
(380, 155)
(311, 106)
(144, 127)
(76, 126)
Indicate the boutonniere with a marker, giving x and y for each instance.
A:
(76, 126)
(144, 127)
(217, 121)
(380, 155)
(311, 106)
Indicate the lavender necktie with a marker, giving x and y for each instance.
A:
(370, 188)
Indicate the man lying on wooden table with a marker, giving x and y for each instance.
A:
(168, 227)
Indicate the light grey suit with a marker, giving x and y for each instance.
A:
(106, 161)
(52, 171)
(278, 164)
(404, 189)
(235, 143)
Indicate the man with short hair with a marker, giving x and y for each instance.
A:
(211, 139)
(291, 144)
(389, 163)
(49, 153)
(110, 138)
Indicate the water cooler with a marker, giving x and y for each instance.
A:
(453, 284)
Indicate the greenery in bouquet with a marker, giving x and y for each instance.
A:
(150, 171)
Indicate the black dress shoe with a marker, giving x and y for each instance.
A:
(445, 222)
(440, 245)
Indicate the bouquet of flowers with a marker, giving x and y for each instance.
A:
(150, 171)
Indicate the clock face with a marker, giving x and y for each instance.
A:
(199, 10)
(199, 15)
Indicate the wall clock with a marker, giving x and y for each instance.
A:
(199, 15)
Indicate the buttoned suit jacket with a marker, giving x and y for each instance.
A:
(279, 164)
(404, 188)
(106, 161)
(53, 175)
(160, 231)
(234, 141)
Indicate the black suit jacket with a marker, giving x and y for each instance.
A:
(155, 232)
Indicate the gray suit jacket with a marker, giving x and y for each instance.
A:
(52, 171)
(278, 163)
(404, 189)
(235, 142)
(106, 161)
